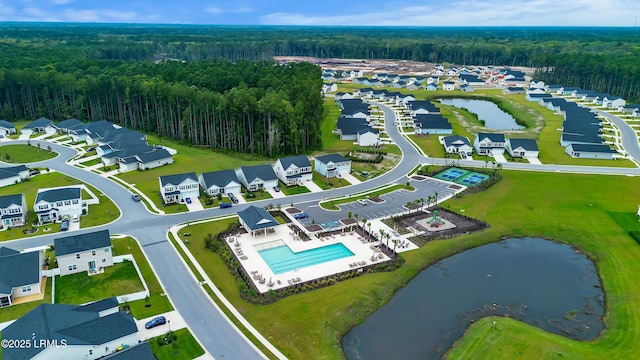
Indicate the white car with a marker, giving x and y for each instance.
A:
(363, 201)
(75, 218)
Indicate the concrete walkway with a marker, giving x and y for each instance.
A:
(174, 322)
(313, 187)
(351, 179)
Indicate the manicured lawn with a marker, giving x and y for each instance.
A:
(22, 153)
(326, 184)
(159, 303)
(293, 190)
(570, 208)
(256, 195)
(102, 213)
(15, 311)
(185, 347)
(331, 142)
(119, 279)
(92, 162)
(429, 144)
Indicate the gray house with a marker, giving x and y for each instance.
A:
(220, 182)
(87, 252)
(20, 275)
(257, 177)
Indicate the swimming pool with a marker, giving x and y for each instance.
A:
(281, 259)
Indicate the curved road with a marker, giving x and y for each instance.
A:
(218, 336)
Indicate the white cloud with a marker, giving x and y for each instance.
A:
(61, 2)
(218, 10)
(120, 15)
(5, 10)
(81, 15)
(213, 10)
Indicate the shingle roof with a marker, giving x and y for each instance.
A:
(154, 155)
(72, 123)
(449, 140)
(263, 172)
(41, 122)
(494, 137)
(527, 144)
(423, 104)
(593, 148)
(177, 179)
(334, 158)
(257, 218)
(350, 126)
(432, 121)
(53, 195)
(141, 351)
(13, 199)
(6, 124)
(368, 129)
(299, 161)
(79, 243)
(100, 305)
(18, 269)
(220, 178)
(11, 171)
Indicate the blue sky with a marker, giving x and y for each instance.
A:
(331, 12)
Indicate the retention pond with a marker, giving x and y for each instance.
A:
(487, 112)
(541, 282)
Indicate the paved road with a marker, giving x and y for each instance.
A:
(629, 136)
(217, 335)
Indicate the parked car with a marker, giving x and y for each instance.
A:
(64, 225)
(156, 321)
(224, 205)
(362, 201)
(276, 188)
(188, 200)
(91, 149)
(135, 197)
(233, 198)
(34, 172)
(300, 216)
(75, 218)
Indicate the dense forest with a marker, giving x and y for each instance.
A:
(222, 89)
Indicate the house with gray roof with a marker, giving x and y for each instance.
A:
(332, 165)
(613, 102)
(368, 136)
(177, 188)
(90, 130)
(489, 143)
(142, 351)
(13, 211)
(456, 144)
(79, 331)
(432, 124)
(37, 126)
(589, 151)
(7, 128)
(256, 220)
(293, 170)
(64, 126)
(525, 148)
(10, 175)
(257, 177)
(20, 276)
(90, 252)
(54, 203)
(220, 182)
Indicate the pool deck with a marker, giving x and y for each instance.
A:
(246, 252)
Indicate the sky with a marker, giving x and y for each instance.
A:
(330, 12)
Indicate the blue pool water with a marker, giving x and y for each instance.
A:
(281, 259)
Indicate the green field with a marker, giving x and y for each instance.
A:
(23, 154)
(185, 347)
(583, 210)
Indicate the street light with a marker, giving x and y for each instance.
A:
(169, 322)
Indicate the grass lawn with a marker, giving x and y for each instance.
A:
(22, 154)
(159, 303)
(119, 279)
(102, 213)
(92, 162)
(188, 159)
(293, 190)
(331, 142)
(15, 311)
(185, 347)
(571, 208)
(326, 184)
(256, 195)
(429, 144)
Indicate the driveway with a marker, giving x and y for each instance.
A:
(534, 160)
(313, 186)
(499, 157)
(174, 321)
(351, 179)
(195, 205)
(275, 194)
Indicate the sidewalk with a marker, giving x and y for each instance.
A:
(174, 320)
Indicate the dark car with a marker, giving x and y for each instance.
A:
(300, 216)
(188, 200)
(276, 188)
(156, 321)
(64, 225)
(224, 205)
(34, 172)
(135, 197)
(233, 198)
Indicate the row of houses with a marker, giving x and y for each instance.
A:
(427, 118)
(490, 144)
(294, 170)
(354, 123)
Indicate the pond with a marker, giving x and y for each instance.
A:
(490, 113)
(540, 282)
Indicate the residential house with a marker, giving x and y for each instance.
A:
(64, 126)
(588, 151)
(536, 84)
(145, 161)
(13, 210)
(348, 128)
(536, 91)
(13, 174)
(432, 124)
(512, 90)
(90, 252)
(332, 165)
(403, 99)
(466, 88)
(368, 137)
(399, 84)
(456, 144)
(40, 125)
(364, 92)
(293, 170)
(91, 331)
(470, 80)
(587, 95)
(554, 89)
(526, 148)
(7, 128)
(255, 220)
(20, 276)
(414, 86)
(433, 80)
(52, 204)
(571, 90)
(431, 87)
(177, 188)
(537, 97)
(629, 108)
(220, 182)
(613, 102)
(417, 107)
(257, 177)
(329, 87)
(448, 86)
(94, 127)
(360, 80)
(489, 143)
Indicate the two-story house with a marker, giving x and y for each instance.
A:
(52, 204)
(13, 210)
(293, 170)
(176, 189)
(20, 275)
(257, 177)
(89, 252)
(489, 143)
(220, 182)
(332, 165)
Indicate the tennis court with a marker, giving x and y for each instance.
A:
(451, 174)
(472, 179)
(462, 177)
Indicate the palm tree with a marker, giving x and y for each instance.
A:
(364, 222)
(381, 234)
(435, 198)
(408, 205)
(395, 242)
(421, 201)
(388, 236)
(369, 224)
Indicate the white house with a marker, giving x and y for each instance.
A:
(332, 165)
(587, 151)
(37, 126)
(456, 144)
(20, 275)
(145, 161)
(91, 331)
(13, 174)
(329, 87)
(13, 210)
(220, 182)
(613, 102)
(257, 177)
(293, 170)
(7, 128)
(54, 203)
(90, 252)
(489, 143)
(368, 137)
(176, 189)
(526, 148)
(536, 84)
(448, 86)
